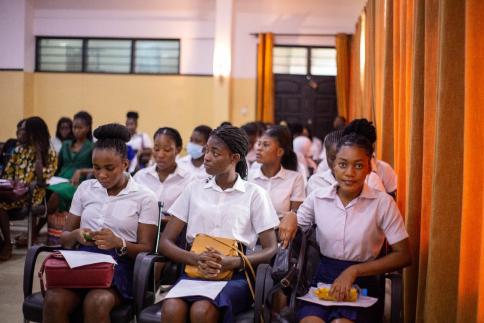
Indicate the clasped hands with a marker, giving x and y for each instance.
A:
(211, 263)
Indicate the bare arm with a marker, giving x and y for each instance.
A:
(172, 230)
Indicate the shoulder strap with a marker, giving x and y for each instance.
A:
(158, 231)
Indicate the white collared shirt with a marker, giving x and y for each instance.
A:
(285, 187)
(197, 172)
(386, 173)
(168, 191)
(240, 212)
(326, 178)
(121, 213)
(355, 232)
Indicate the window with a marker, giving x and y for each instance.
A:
(304, 60)
(96, 55)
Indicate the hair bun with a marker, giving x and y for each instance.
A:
(112, 131)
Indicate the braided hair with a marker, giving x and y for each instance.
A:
(172, 133)
(112, 136)
(332, 138)
(283, 136)
(354, 139)
(238, 143)
(361, 127)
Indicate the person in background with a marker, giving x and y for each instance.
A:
(253, 133)
(193, 162)
(316, 144)
(63, 132)
(339, 122)
(119, 215)
(33, 160)
(139, 143)
(10, 145)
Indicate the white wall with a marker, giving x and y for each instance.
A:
(12, 31)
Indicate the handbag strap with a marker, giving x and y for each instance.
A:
(245, 262)
(41, 274)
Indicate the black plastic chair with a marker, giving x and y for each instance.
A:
(147, 311)
(309, 261)
(34, 302)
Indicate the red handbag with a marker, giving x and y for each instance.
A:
(11, 190)
(58, 274)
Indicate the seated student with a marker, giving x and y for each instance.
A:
(75, 164)
(352, 222)
(9, 146)
(277, 173)
(326, 177)
(33, 160)
(166, 179)
(63, 132)
(139, 143)
(382, 169)
(194, 160)
(224, 206)
(121, 217)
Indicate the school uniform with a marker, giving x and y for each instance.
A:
(285, 187)
(168, 190)
(197, 172)
(121, 214)
(386, 173)
(137, 143)
(347, 235)
(241, 212)
(326, 178)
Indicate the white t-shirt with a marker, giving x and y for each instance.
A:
(386, 174)
(138, 142)
(121, 213)
(168, 191)
(355, 232)
(198, 172)
(285, 187)
(56, 143)
(240, 212)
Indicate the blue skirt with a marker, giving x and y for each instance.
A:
(328, 270)
(123, 271)
(234, 298)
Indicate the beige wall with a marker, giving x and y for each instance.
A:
(182, 102)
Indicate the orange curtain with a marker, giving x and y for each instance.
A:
(265, 79)
(343, 42)
(428, 62)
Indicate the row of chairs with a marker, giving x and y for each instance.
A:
(144, 309)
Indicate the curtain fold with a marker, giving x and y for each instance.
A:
(343, 48)
(265, 79)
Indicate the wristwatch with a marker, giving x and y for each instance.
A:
(123, 250)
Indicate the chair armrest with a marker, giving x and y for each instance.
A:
(396, 314)
(142, 272)
(29, 265)
(263, 284)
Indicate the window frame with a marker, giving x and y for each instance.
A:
(308, 60)
(84, 54)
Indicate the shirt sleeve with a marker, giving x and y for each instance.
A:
(298, 194)
(149, 209)
(305, 213)
(181, 207)
(147, 143)
(262, 212)
(76, 204)
(391, 221)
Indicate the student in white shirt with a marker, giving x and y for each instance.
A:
(139, 143)
(224, 206)
(382, 169)
(352, 222)
(165, 178)
(119, 215)
(277, 173)
(194, 160)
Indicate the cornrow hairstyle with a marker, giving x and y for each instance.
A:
(132, 115)
(87, 119)
(59, 123)
(204, 130)
(238, 143)
(172, 133)
(112, 136)
(357, 140)
(332, 138)
(37, 134)
(362, 127)
(284, 138)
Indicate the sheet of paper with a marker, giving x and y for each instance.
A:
(57, 180)
(187, 287)
(363, 301)
(81, 258)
